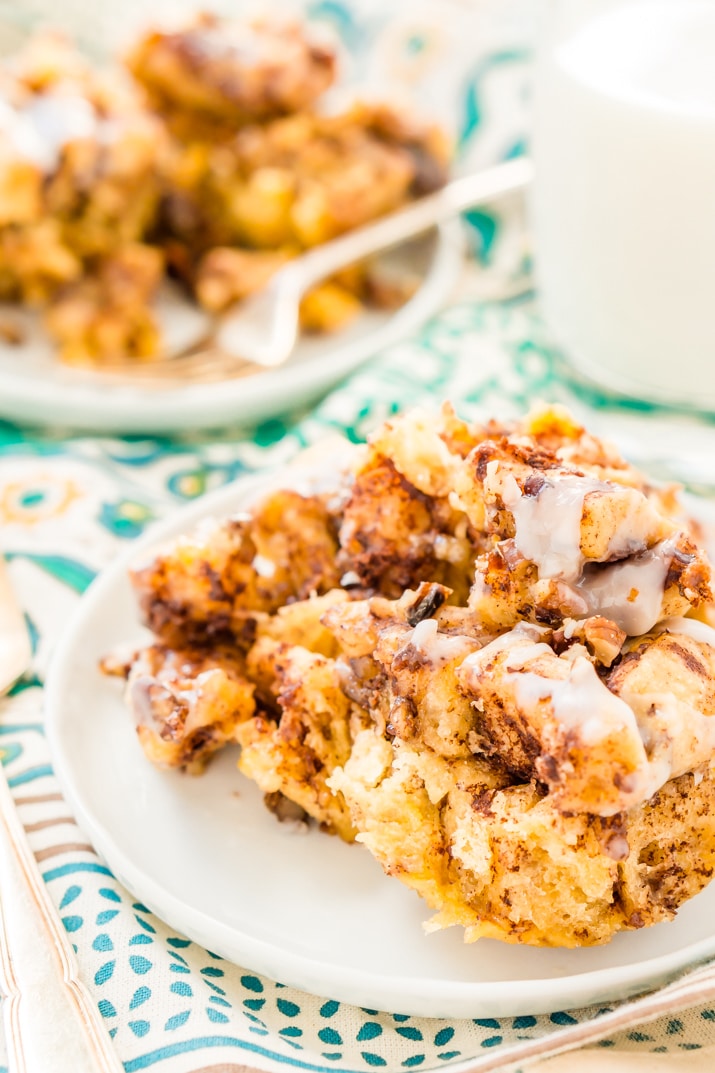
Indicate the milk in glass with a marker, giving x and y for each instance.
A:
(623, 203)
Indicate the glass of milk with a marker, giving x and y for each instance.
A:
(623, 204)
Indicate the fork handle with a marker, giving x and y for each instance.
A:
(52, 1024)
(457, 196)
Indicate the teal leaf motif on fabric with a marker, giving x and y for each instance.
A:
(177, 1020)
(328, 1009)
(106, 1008)
(104, 973)
(140, 965)
(251, 983)
(288, 1009)
(254, 1019)
(330, 1036)
(561, 1018)
(373, 1059)
(415, 1060)
(69, 896)
(103, 942)
(211, 970)
(140, 996)
(493, 1041)
(523, 1022)
(409, 1032)
(220, 1001)
(400, 1017)
(178, 968)
(73, 923)
(443, 1036)
(139, 1028)
(254, 1003)
(270, 432)
(180, 943)
(145, 924)
(180, 988)
(674, 1027)
(106, 915)
(291, 1030)
(112, 895)
(370, 1030)
(446, 1055)
(216, 1016)
(487, 1022)
(332, 1056)
(140, 939)
(140, 907)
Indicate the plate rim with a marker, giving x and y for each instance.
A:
(455, 999)
(88, 407)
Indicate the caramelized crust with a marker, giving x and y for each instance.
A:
(212, 586)
(186, 703)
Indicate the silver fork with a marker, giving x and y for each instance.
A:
(52, 1025)
(261, 332)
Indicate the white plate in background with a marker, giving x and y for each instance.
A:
(308, 910)
(36, 387)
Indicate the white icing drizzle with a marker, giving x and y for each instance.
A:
(263, 566)
(669, 737)
(579, 702)
(630, 592)
(523, 641)
(439, 648)
(548, 524)
(691, 627)
(40, 129)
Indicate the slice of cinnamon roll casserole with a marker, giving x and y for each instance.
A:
(485, 655)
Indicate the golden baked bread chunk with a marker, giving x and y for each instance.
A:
(217, 74)
(486, 655)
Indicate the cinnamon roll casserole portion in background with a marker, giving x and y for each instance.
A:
(204, 155)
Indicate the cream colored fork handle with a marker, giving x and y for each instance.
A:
(51, 1022)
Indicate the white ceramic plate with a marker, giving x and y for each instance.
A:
(206, 856)
(35, 386)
